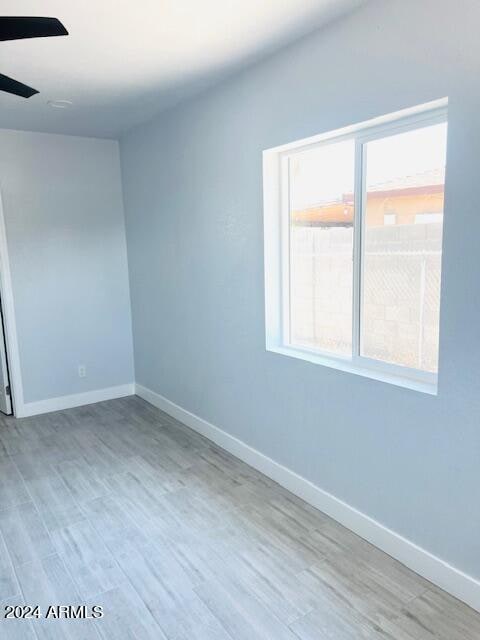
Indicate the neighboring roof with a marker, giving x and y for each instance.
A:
(435, 177)
(417, 184)
(340, 211)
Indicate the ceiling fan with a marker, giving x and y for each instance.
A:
(12, 28)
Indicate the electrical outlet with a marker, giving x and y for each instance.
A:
(82, 371)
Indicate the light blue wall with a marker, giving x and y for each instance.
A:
(64, 218)
(193, 194)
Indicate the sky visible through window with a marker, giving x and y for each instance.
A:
(322, 174)
(412, 153)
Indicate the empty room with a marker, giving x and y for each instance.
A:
(239, 320)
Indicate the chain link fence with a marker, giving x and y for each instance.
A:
(400, 291)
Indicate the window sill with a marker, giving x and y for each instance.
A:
(345, 364)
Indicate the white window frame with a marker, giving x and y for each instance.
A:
(277, 253)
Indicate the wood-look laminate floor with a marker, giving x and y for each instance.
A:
(118, 505)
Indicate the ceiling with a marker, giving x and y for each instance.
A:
(124, 61)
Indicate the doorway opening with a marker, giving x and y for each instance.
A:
(6, 405)
(11, 388)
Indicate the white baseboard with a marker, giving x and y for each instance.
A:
(442, 574)
(75, 400)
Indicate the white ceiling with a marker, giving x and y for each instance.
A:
(126, 60)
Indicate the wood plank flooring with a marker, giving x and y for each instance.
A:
(117, 504)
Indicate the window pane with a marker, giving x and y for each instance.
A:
(321, 246)
(402, 247)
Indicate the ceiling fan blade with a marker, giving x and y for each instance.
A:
(17, 88)
(18, 28)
